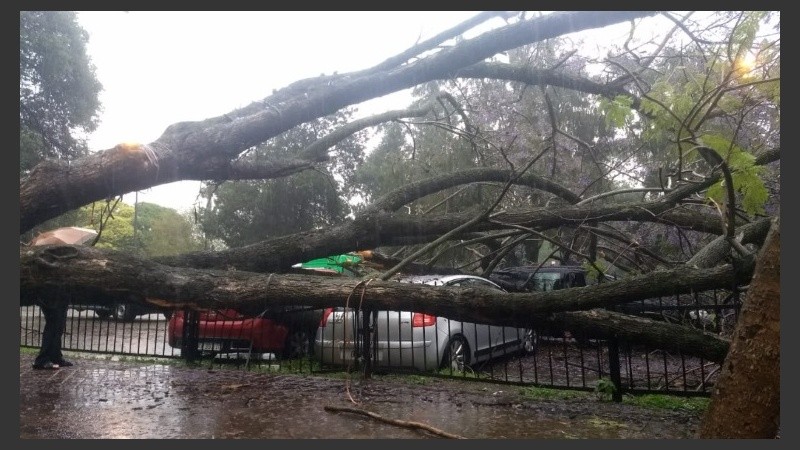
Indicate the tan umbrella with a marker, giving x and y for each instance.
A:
(65, 235)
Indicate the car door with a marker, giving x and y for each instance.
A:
(483, 338)
(503, 339)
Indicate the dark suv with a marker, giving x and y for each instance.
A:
(545, 278)
(536, 279)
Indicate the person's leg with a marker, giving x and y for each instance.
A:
(60, 320)
(50, 337)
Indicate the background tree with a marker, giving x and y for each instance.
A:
(158, 230)
(163, 231)
(246, 211)
(58, 89)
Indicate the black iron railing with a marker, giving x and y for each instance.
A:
(562, 360)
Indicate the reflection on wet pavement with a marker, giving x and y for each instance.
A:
(107, 399)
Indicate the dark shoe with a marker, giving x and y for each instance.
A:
(65, 363)
(46, 366)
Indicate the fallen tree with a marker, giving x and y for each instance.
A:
(78, 274)
(575, 218)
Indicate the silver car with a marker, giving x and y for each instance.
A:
(417, 340)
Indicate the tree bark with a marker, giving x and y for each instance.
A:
(745, 403)
(377, 229)
(599, 323)
(79, 274)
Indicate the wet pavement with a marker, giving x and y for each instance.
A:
(102, 398)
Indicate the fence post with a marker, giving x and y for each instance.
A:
(614, 368)
(366, 339)
(190, 338)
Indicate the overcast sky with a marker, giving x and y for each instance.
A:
(158, 68)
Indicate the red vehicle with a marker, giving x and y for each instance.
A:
(288, 332)
(227, 331)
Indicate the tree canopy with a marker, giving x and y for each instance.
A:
(58, 88)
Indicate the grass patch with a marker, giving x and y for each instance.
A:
(671, 402)
(539, 393)
(420, 380)
(455, 374)
(598, 422)
(409, 378)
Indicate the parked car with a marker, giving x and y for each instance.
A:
(545, 278)
(416, 340)
(286, 331)
(123, 312)
(537, 279)
(227, 331)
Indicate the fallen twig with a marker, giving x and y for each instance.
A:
(399, 423)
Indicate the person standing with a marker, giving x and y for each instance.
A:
(55, 321)
(55, 314)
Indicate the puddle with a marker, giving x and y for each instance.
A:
(104, 399)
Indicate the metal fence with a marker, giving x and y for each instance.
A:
(560, 359)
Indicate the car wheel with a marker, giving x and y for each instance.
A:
(297, 345)
(124, 312)
(529, 341)
(456, 357)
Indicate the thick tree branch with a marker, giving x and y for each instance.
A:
(318, 150)
(542, 77)
(247, 169)
(600, 323)
(84, 274)
(431, 43)
(374, 229)
(195, 150)
(719, 248)
(414, 191)
(87, 273)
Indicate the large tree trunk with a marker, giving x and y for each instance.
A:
(80, 274)
(745, 403)
(599, 323)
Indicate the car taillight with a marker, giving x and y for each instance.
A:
(325, 314)
(422, 320)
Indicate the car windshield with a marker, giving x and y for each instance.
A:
(545, 281)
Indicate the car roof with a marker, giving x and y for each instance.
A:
(438, 280)
(543, 269)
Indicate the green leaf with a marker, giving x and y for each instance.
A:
(616, 111)
(746, 175)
